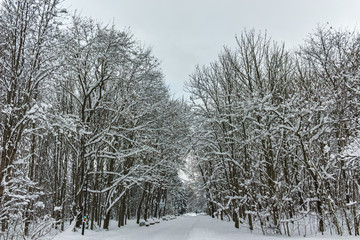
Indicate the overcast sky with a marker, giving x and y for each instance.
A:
(184, 33)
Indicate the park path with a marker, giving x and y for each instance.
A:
(189, 227)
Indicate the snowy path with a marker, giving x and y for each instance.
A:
(183, 228)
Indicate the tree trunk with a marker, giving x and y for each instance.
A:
(251, 227)
(31, 177)
(123, 211)
(140, 205)
(236, 218)
(107, 220)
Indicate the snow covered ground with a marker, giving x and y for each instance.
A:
(190, 227)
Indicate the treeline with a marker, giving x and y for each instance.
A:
(276, 133)
(87, 125)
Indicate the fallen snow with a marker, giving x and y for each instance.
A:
(189, 227)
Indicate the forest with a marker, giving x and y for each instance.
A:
(90, 133)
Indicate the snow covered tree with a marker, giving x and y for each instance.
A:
(87, 124)
(241, 96)
(269, 127)
(122, 109)
(27, 33)
(330, 67)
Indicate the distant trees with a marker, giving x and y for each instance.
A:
(270, 132)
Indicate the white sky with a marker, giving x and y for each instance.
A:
(184, 33)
